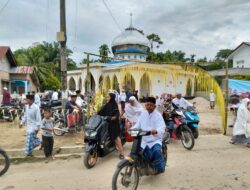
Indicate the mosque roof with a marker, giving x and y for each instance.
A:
(130, 50)
(130, 36)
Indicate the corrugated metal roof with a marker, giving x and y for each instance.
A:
(22, 70)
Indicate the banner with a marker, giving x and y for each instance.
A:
(239, 87)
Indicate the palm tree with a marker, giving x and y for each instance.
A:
(104, 52)
(154, 38)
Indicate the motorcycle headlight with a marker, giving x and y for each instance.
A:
(93, 134)
(87, 133)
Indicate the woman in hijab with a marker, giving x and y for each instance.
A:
(133, 110)
(241, 130)
(111, 109)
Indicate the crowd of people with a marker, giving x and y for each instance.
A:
(154, 117)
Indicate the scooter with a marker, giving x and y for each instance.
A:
(68, 123)
(98, 139)
(180, 130)
(192, 119)
(129, 170)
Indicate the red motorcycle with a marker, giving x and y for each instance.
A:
(180, 130)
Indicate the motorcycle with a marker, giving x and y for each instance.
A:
(4, 162)
(181, 131)
(8, 113)
(68, 123)
(192, 119)
(130, 169)
(98, 139)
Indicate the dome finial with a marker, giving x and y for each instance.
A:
(131, 18)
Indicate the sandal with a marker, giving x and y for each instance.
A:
(121, 156)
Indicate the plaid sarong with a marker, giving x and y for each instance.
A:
(154, 156)
(32, 141)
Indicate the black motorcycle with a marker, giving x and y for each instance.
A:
(132, 167)
(4, 162)
(8, 113)
(98, 139)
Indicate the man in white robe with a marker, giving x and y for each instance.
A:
(32, 117)
(180, 102)
(151, 120)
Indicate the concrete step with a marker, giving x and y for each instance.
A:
(19, 153)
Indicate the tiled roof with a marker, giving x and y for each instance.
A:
(6, 51)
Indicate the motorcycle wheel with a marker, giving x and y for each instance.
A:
(60, 125)
(187, 138)
(4, 162)
(90, 158)
(125, 177)
(196, 133)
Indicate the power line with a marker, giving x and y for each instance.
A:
(117, 24)
(5, 5)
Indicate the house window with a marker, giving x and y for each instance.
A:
(240, 64)
(135, 56)
(128, 56)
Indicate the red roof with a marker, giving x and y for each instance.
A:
(6, 51)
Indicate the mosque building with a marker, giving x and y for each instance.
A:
(131, 72)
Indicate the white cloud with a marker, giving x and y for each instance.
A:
(195, 27)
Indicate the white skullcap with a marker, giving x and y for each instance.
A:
(132, 98)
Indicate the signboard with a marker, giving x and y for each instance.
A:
(239, 87)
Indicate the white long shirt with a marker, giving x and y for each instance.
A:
(148, 122)
(212, 97)
(182, 103)
(32, 117)
(79, 101)
(123, 97)
(55, 96)
(37, 100)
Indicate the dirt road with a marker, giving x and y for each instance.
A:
(212, 164)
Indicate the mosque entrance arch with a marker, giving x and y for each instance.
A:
(129, 83)
(115, 84)
(101, 83)
(107, 83)
(80, 84)
(91, 84)
(145, 85)
(189, 88)
(72, 84)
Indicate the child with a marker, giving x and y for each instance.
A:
(47, 136)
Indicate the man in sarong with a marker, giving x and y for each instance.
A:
(32, 117)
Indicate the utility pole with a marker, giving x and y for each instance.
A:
(62, 38)
(88, 88)
(226, 98)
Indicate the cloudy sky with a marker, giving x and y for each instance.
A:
(199, 27)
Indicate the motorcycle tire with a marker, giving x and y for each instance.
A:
(92, 154)
(196, 133)
(60, 125)
(124, 181)
(4, 159)
(187, 135)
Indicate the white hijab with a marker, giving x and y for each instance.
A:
(133, 112)
(242, 124)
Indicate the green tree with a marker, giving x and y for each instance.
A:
(223, 54)
(45, 59)
(154, 38)
(104, 52)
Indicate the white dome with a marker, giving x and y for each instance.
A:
(130, 36)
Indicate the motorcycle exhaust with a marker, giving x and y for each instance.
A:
(64, 130)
